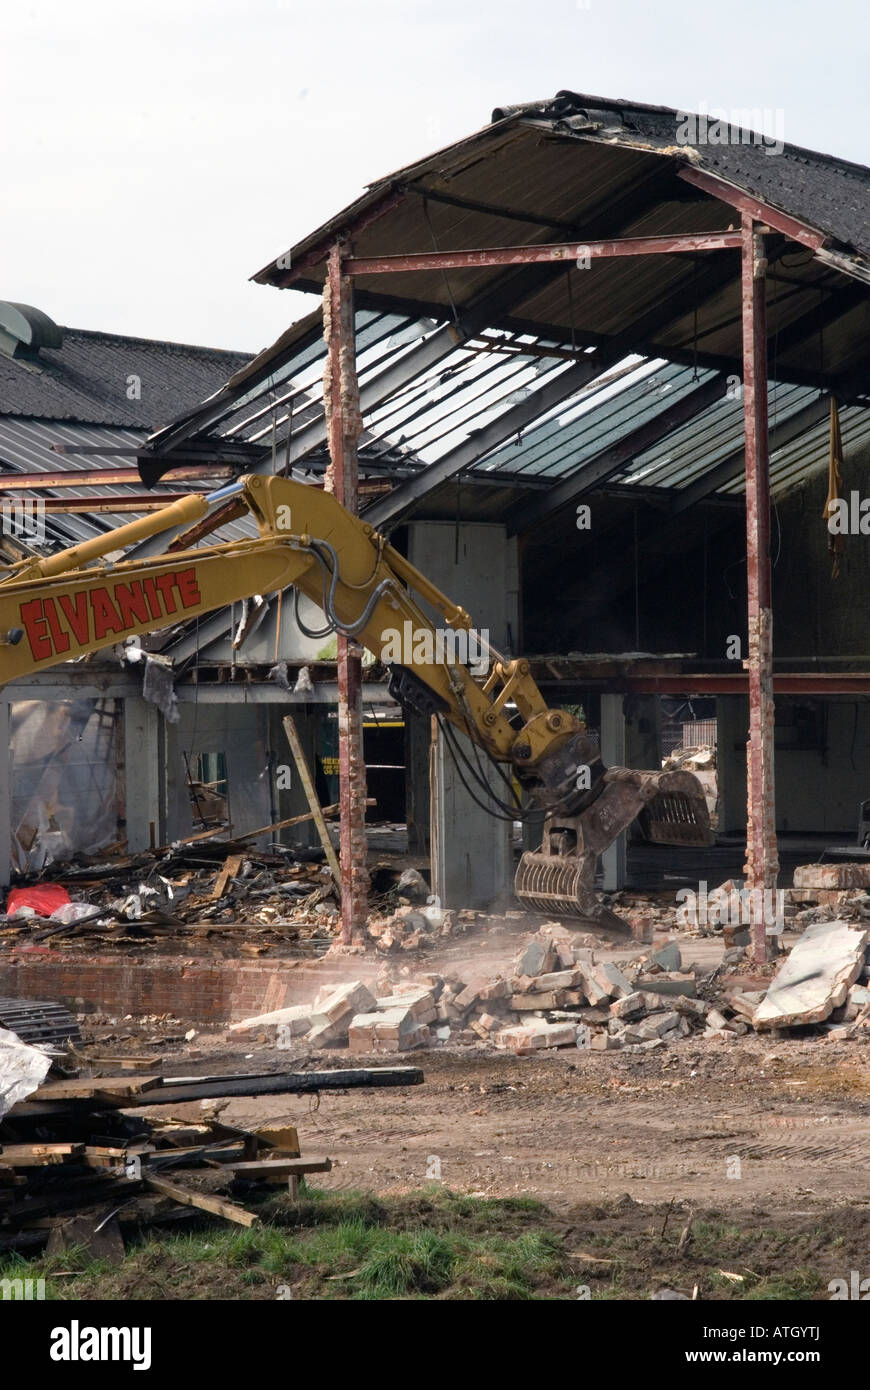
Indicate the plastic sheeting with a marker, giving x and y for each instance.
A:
(64, 780)
(158, 686)
(22, 1069)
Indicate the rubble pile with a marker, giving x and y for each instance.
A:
(418, 921)
(557, 995)
(201, 887)
(561, 993)
(206, 890)
(645, 914)
(822, 892)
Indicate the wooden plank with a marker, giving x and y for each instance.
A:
(230, 869)
(281, 1167)
(102, 1156)
(186, 1197)
(38, 1155)
(287, 1083)
(283, 1139)
(90, 1087)
(127, 1063)
(308, 786)
(285, 824)
(297, 820)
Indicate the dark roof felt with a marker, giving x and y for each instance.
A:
(86, 380)
(829, 193)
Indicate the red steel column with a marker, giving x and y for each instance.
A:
(343, 422)
(762, 860)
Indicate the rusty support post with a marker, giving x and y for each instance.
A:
(343, 423)
(762, 861)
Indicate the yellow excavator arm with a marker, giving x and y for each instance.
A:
(89, 597)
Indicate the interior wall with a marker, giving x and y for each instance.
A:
(65, 787)
(814, 613)
(476, 568)
(472, 864)
(241, 733)
(817, 789)
(643, 744)
(475, 565)
(276, 638)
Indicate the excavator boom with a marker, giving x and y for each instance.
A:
(88, 597)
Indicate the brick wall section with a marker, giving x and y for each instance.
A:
(203, 992)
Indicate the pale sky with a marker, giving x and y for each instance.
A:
(155, 155)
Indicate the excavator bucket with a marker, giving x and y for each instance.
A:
(559, 878)
(557, 884)
(677, 814)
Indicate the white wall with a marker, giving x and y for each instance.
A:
(483, 578)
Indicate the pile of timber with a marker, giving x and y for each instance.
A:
(75, 1165)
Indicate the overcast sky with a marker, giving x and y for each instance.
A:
(155, 155)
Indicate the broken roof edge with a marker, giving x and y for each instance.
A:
(252, 373)
(283, 271)
(374, 192)
(583, 102)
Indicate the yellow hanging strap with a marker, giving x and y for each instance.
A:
(836, 541)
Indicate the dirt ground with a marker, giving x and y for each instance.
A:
(761, 1145)
(738, 1125)
(744, 1124)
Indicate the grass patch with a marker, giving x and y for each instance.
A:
(437, 1244)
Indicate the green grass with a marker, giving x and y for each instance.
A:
(436, 1244)
(338, 1246)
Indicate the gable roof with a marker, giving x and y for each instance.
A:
(581, 168)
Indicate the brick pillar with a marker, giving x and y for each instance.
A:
(762, 862)
(343, 423)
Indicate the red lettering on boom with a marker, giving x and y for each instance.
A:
(138, 603)
(58, 636)
(75, 609)
(153, 600)
(188, 589)
(131, 603)
(106, 615)
(166, 583)
(34, 625)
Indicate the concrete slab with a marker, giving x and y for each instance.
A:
(815, 979)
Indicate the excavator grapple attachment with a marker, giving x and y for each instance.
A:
(559, 878)
(556, 880)
(677, 814)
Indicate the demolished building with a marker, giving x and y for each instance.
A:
(572, 414)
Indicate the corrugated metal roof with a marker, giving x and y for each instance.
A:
(26, 447)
